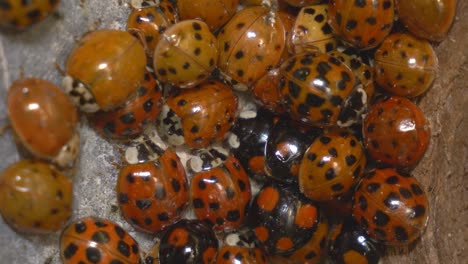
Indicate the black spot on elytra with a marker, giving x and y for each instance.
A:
(350, 159)
(405, 193)
(233, 215)
(373, 187)
(330, 174)
(362, 202)
(93, 255)
(143, 204)
(401, 234)
(123, 248)
(380, 218)
(100, 237)
(123, 198)
(80, 227)
(198, 203)
(70, 251)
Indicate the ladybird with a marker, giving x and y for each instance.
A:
(353, 246)
(44, 120)
(404, 65)
(220, 195)
(282, 219)
(131, 119)
(35, 197)
(248, 139)
(199, 116)
(396, 132)
(238, 251)
(19, 15)
(154, 194)
(186, 54)
(285, 148)
(150, 21)
(391, 207)
(362, 23)
(250, 44)
(188, 241)
(97, 240)
(311, 30)
(331, 165)
(314, 87)
(106, 79)
(215, 13)
(312, 251)
(428, 19)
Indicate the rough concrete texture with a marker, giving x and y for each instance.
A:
(442, 171)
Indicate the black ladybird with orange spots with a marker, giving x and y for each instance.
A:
(282, 219)
(353, 246)
(188, 241)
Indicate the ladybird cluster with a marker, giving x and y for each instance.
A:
(296, 117)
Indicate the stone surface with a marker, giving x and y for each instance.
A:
(442, 171)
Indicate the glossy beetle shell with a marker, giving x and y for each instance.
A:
(282, 219)
(35, 197)
(114, 73)
(250, 44)
(42, 116)
(396, 132)
(429, 19)
(314, 87)
(214, 12)
(97, 240)
(391, 207)
(405, 65)
(153, 195)
(186, 54)
(332, 164)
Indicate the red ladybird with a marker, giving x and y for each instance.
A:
(405, 65)
(332, 164)
(391, 207)
(315, 86)
(282, 219)
(362, 23)
(153, 195)
(396, 132)
(250, 44)
(199, 116)
(130, 120)
(95, 240)
(219, 195)
(188, 241)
